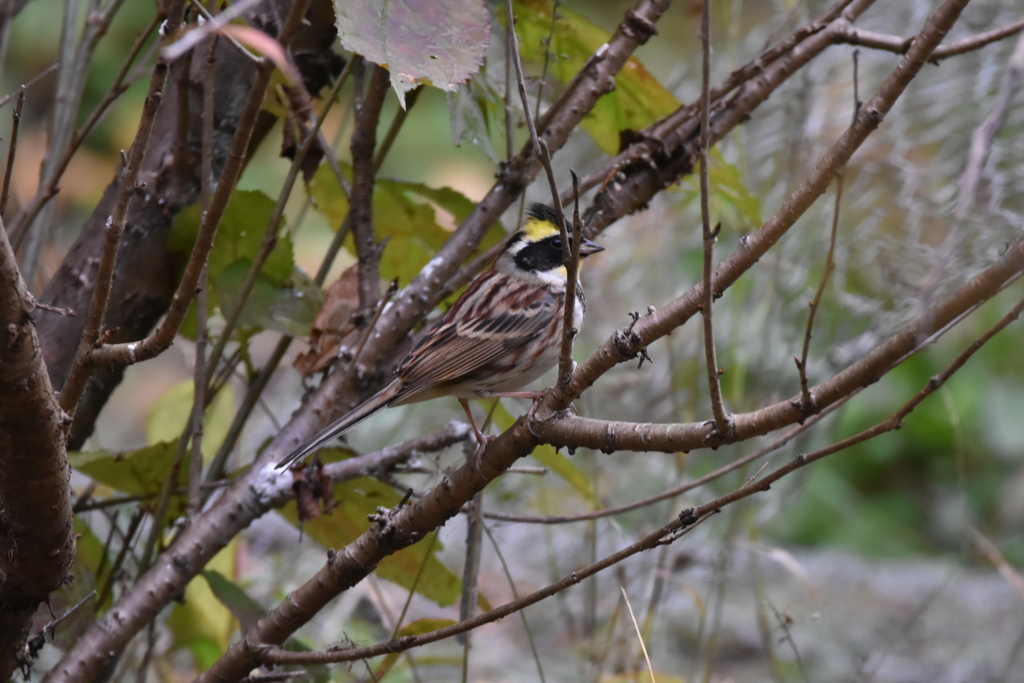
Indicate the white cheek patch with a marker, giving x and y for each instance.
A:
(553, 279)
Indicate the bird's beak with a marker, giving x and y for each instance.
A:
(587, 247)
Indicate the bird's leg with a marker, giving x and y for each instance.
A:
(481, 438)
(534, 396)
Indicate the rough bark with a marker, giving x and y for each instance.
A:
(37, 542)
(146, 273)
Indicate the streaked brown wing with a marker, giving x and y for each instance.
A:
(468, 339)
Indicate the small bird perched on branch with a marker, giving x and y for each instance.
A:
(503, 332)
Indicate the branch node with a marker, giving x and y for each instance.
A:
(638, 27)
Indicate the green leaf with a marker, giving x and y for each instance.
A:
(550, 458)
(202, 623)
(171, 412)
(238, 602)
(403, 213)
(637, 101)
(440, 42)
(239, 235)
(355, 500)
(730, 201)
(472, 109)
(139, 472)
(288, 307)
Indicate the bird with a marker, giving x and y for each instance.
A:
(501, 334)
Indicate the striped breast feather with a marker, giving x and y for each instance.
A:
(467, 339)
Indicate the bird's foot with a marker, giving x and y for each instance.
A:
(478, 457)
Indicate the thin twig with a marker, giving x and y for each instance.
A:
(900, 45)
(115, 567)
(547, 57)
(990, 551)
(161, 338)
(572, 266)
(269, 234)
(570, 250)
(11, 149)
(639, 636)
(75, 60)
(674, 530)
(723, 423)
(515, 596)
(981, 140)
(29, 83)
(470, 567)
(75, 383)
(807, 403)
(510, 135)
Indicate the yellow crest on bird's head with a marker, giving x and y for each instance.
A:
(541, 222)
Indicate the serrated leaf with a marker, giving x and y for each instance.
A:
(440, 42)
(547, 456)
(171, 412)
(287, 307)
(360, 497)
(637, 100)
(472, 108)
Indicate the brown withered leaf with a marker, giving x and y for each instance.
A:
(305, 496)
(324, 487)
(333, 324)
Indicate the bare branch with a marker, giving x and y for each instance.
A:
(625, 346)
(74, 386)
(722, 421)
(890, 43)
(981, 141)
(364, 140)
(675, 491)
(11, 149)
(830, 266)
(161, 338)
(267, 654)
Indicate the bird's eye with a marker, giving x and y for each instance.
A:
(557, 242)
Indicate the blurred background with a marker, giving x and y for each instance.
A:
(879, 563)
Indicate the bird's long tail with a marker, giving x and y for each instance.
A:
(344, 423)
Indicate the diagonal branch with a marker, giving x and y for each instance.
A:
(624, 347)
(595, 79)
(74, 386)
